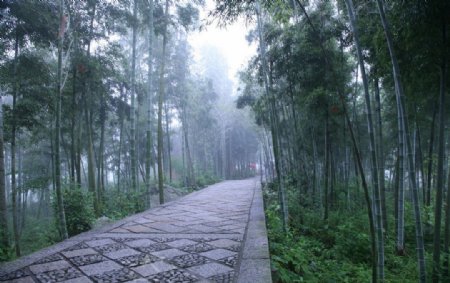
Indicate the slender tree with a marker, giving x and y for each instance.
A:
(133, 102)
(4, 235)
(443, 93)
(273, 120)
(14, 192)
(149, 145)
(160, 105)
(372, 146)
(402, 109)
(60, 84)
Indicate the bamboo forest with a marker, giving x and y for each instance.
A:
(335, 109)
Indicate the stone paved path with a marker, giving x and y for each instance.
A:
(213, 235)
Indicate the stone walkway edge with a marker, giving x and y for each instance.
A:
(217, 234)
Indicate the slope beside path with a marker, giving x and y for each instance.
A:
(217, 234)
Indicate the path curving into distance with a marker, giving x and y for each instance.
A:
(217, 234)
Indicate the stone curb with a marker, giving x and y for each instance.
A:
(255, 259)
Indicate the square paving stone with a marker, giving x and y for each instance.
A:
(181, 243)
(124, 240)
(141, 229)
(143, 220)
(140, 243)
(83, 279)
(174, 275)
(99, 268)
(86, 259)
(223, 243)
(163, 240)
(154, 248)
(110, 248)
(137, 260)
(58, 275)
(223, 278)
(231, 261)
(205, 229)
(77, 247)
(14, 274)
(169, 228)
(120, 275)
(153, 268)
(121, 253)
(27, 279)
(168, 254)
(100, 242)
(80, 252)
(214, 223)
(197, 248)
(184, 218)
(51, 258)
(189, 260)
(210, 269)
(139, 280)
(39, 268)
(218, 254)
(235, 248)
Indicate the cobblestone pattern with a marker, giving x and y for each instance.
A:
(174, 275)
(195, 239)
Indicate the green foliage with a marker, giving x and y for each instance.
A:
(299, 258)
(206, 178)
(39, 233)
(6, 253)
(337, 250)
(78, 209)
(119, 204)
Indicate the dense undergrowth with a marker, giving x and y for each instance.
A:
(336, 250)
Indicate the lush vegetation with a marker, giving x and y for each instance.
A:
(334, 251)
(351, 95)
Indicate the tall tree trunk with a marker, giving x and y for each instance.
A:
(372, 147)
(101, 151)
(420, 161)
(273, 121)
(183, 159)
(169, 161)
(149, 144)
(4, 234)
(430, 155)
(396, 184)
(121, 115)
(400, 97)
(380, 154)
(73, 128)
(439, 192)
(88, 120)
(360, 168)
(327, 166)
(14, 192)
(443, 93)
(59, 196)
(78, 152)
(160, 106)
(133, 103)
(400, 204)
(223, 149)
(190, 167)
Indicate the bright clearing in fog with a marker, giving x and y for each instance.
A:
(230, 41)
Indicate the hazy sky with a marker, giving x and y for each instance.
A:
(229, 40)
